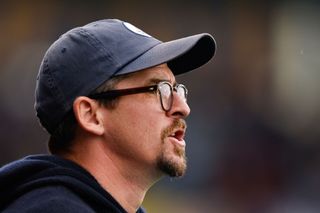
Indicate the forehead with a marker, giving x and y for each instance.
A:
(149, 75)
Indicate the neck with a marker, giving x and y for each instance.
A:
(126, 182)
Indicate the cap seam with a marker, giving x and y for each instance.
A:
(55, 90)
(96, 43)
(52, 82)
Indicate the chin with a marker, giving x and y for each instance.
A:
(173, 166)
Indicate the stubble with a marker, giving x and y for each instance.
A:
(168, 163)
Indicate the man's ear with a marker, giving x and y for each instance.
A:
(88, 115)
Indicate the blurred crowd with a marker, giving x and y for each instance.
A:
(253, 133)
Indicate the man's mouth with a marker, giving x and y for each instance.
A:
(176, 133)
(178, 137)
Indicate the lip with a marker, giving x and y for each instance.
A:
(177, 137)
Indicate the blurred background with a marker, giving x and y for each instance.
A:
(253, 138)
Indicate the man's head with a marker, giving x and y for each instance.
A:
(145, 126)
(149, 126)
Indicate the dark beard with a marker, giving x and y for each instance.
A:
(167, 165)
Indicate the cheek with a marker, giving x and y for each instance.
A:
(145, 130)
(136, 130)
(143, 118)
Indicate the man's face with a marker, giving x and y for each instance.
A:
(140, 133)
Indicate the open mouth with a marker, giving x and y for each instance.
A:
(178, 137)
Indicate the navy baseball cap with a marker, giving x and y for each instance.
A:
(85, 57)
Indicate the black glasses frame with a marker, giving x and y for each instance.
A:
(122, 92)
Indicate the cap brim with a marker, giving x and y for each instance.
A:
(181, 55)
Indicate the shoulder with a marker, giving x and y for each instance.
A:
(49, 199)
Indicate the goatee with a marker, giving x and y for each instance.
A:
(167, 163)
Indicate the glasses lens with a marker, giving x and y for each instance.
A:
(182, 91)
(165, 90)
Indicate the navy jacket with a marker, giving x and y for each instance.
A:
(47, 183)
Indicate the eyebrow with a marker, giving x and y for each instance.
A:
(157, 80)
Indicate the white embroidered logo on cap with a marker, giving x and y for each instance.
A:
(135, 29)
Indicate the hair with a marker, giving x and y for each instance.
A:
(63, 137)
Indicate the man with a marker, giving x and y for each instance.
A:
(106, 93)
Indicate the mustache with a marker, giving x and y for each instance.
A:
(177, 124)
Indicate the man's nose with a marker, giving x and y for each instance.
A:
(180, 108)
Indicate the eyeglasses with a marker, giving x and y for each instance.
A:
(164, 88)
